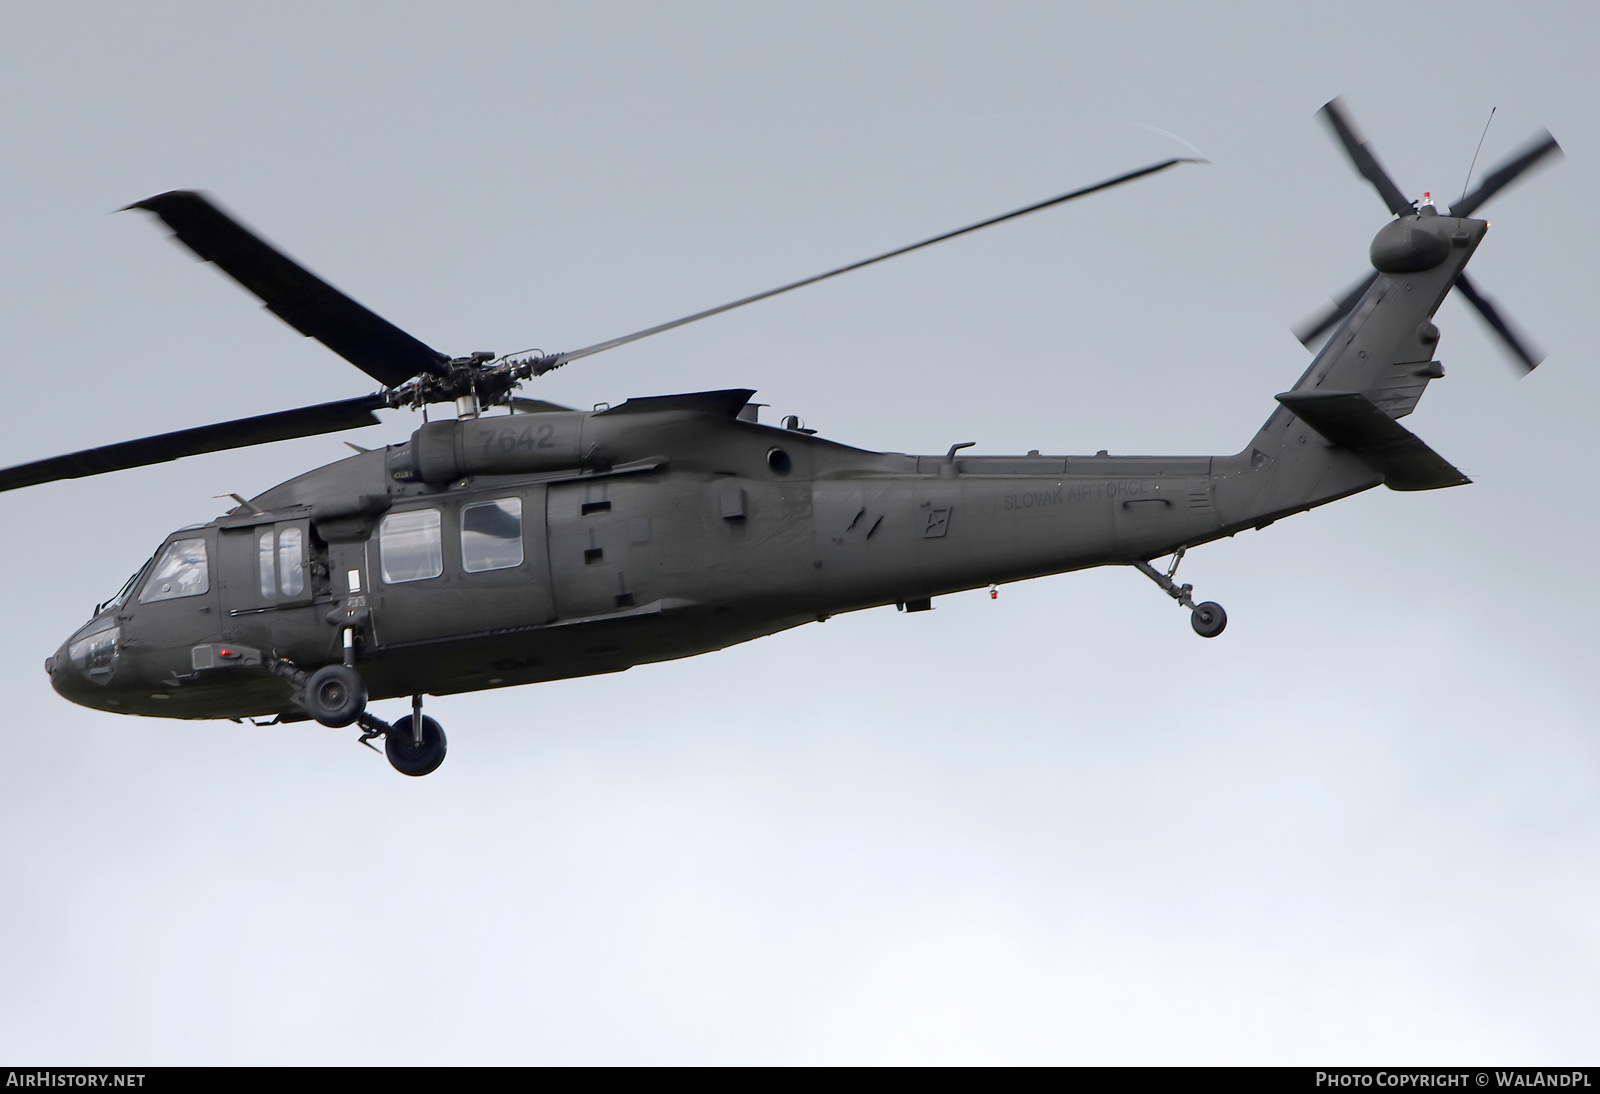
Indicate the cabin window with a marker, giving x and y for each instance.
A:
(180, 571)
(281, 571)
(291, 571)
(269, 577)
(491, 535)
(409, 545)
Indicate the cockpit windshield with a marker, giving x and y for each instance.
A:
(122, 594)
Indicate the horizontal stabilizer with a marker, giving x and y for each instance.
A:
(1350, 419)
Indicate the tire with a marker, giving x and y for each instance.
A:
(1208, 619)
(335, 695)
(413, 759)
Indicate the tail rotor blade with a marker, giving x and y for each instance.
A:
(1309, 329)
(1526, 353)
(1361, 155)
(1537, 149)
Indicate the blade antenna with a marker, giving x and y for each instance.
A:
(1475, 152)
(545, 364)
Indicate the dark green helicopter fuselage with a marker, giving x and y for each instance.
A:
(511, 549)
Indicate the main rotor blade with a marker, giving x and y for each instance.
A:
(559, 359)
(306, 421)
(293, 293)
(1526, 353)
(1502, 176)
(1362, 156)
(1311, 327)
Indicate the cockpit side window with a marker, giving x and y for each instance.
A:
(180, 571)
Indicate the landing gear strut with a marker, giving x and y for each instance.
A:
(415, 745)
(336, 696)
(1207, 619)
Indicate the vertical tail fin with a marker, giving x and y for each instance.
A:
(1335, 432)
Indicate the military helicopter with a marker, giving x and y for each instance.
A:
(496, 549)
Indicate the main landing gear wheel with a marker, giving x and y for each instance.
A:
(335, 695)
(1208, 619)
(409, 757)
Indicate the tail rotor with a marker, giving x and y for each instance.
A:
(1541, 148)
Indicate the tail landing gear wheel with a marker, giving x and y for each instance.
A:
(335, 695)
(1208, 619)
(408, 757)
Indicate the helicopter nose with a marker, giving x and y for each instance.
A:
(82, 668)
(60, 661)
(62, 677)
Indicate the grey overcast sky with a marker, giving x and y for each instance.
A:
(1362, 826)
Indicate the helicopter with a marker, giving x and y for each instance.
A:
(520, 541)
